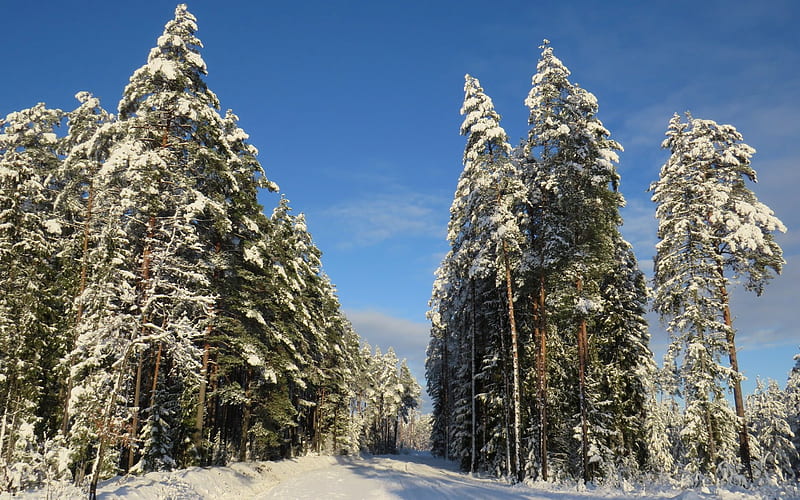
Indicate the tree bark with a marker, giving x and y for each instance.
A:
(583, 349)
(744, 443)
(472, 378)
(506, 419)
(541, 368)
(79, 311)
(143, 284)
(515, 365)
(246, 414)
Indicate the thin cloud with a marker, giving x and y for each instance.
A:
(376, 218)
(409, 339)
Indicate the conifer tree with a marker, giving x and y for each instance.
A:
(31, 312)
(570, 159)
(485, 240)
(712, 228)
(768, 412)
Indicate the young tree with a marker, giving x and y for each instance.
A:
(768, 412)
(712, 229)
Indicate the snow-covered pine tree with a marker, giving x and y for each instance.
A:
(485, 239)
(710, 224)
(438, 367)
(87, 149)
(575, 205)
(31, 312)
(793, 405)
(171, 146)
(774, 454)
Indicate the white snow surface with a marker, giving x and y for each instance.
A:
(416, 476)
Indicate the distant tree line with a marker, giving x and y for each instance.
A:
(539, 365)
(151, 315)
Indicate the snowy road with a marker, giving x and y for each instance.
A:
(417, 477)
(401, 477)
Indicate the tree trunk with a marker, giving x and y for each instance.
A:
(199, 418)
(105, 429)
(583, 349)
(506, 391)
(446, 391)
(744, 444)
(137, 392)
(79, 311)
(143, 290)
(472, 378)
(201, 402)
(246, 412)
(515, 365)
(541, 368)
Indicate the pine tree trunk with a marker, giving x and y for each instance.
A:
(541, 368)
(744, 444)
(246, 412)
(137, 392)
(582, 355)
(105, 430)
(446, 391)
(199, 418)
(143, 287)
(79, 311)
(515, 366)
(506, 424)
(472, 378)
(156, 369)
(201, 402)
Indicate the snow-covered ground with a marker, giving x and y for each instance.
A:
(417, 477)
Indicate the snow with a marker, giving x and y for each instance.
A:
(417, 476)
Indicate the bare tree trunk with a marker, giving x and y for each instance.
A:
(246, 413)
(515, 366)
(143, 284)
(541, 368)
(583, 349)
(472, 369)
(506, 425)
(79, 311)
(744, 443)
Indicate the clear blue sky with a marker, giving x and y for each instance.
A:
(354, 107)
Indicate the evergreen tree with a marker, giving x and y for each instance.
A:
(793, 406)
(485, 241)
(768, 412)
(569, 165)
(31, 314)
(709, 223)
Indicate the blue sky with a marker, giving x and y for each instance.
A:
(354, 107)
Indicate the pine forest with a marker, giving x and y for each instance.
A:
(155, 315)
(539, 364)
(152, 316)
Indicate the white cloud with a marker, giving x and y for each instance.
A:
(378, 217)
(409, 339)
